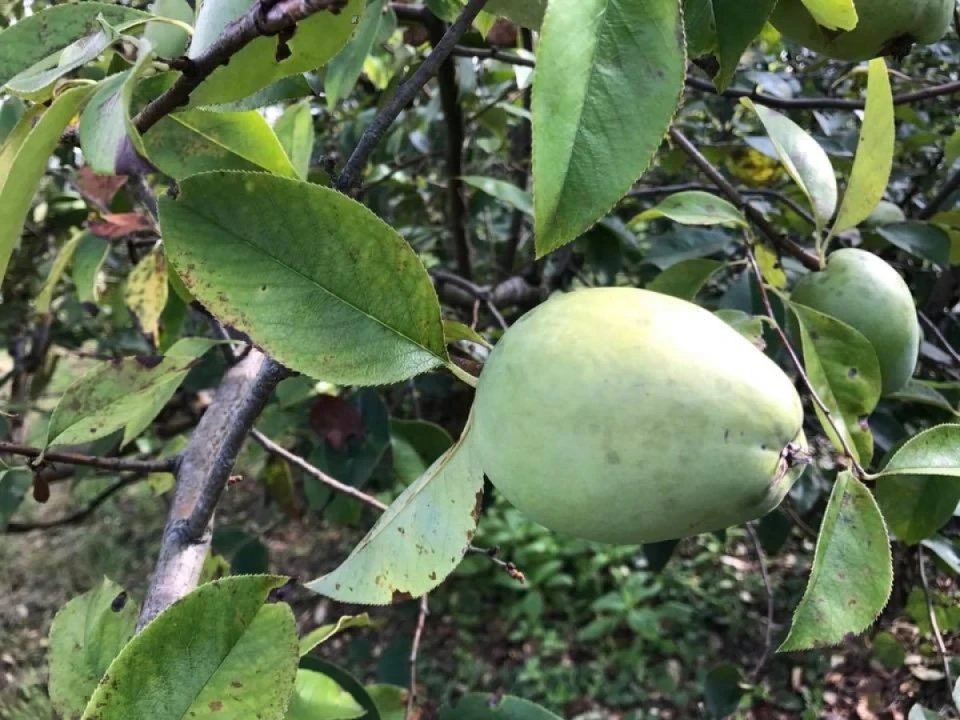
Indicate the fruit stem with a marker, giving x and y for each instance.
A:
(855, 467)
(462, 374)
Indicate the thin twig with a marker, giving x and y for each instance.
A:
(493, 54)
(262, 19)
(404, 95)
(117, 464)
(281, 452)
(851, 458)
(934, 625)
(79, 516)
(951, 351)
(768, 641)
(756, 217)
(414, 650)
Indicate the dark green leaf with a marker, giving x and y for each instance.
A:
(338, 294)
(923, 240)
(722, 690)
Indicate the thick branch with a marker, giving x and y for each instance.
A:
(733, 195)
(453, 117)
(117, 464)
(263, 18)
(202, 474)
(404, 95)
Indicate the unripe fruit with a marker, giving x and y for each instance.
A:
(885, 27)
(626, 416)
(861, 290)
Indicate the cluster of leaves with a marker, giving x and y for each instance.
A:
(257, 234)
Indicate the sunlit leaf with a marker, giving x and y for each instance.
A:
(833, 14)
(296, 134)
(505, 192)
(591, 138)
(695, 207)
(852, 571)
(323, 633)
(346, 66)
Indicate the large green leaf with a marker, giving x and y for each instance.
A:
(318, 38)
(23, 160)
(481, 706)
(852, 571)
(724, 29)
(874, 158)
(86, 635)
(319, 697)
(296, 135)
(107, 133)
(127, 393)
(694, 207)
(592, 136)
(419, 539)
(919, 487)
(14, 484)
(218, 652)
(196, 141)
(346, 66)
(845, 372)
(314, 278)
(804, 160)
(34, 38)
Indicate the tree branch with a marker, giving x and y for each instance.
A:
(79, 516)
(117, 464)
(414, 650)
(787, 245)
(405, 93)
(493, 53)
(265, 17)
(202, 474)
(453, 117)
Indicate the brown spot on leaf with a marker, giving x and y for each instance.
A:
(236, 684)
(400, 596)
(477, 506)
(215, 705)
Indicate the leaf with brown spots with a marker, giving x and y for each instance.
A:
(242, 665)
(436, 512)
(98, 188)
(852, 572)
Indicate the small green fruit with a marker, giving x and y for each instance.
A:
(626, 416)
(863, 291)
(885, 27)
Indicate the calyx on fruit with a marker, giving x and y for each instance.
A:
(885, 27)
(626, 416)
(861, 290)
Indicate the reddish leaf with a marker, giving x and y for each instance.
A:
(336, 420)
(99, 188)
(117, 225)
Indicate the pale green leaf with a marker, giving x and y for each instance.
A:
(694, 207)
(419, 539)
(918, 489)
(455, 331)
(318, 697)
(804, 160)
(41, 304)
(750, 326)
(37, 82)
(218, 652)
(196, 141)
(504, 191)
(296, 135)
(592, 136)
(344, 69)
(126, 393)
(318, 38)
(336, 293)
(146, 291)
(874, 158)
(47, 32)
(833, 14)
(23, 160)
(483, 706)
(323, 633)
(852, 571)
(845, 372)
(88, 258)
(686, 278)
(86, 635)
(168, 39)
(107, 133)
(947, 551)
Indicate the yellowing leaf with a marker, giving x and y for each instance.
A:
(833, 14)
(770, 266)
(874, 158)
(146, 293)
